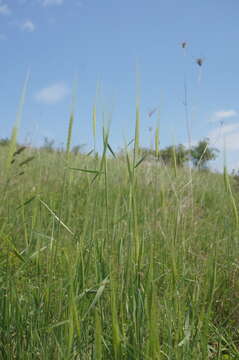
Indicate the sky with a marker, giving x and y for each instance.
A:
(114, 53)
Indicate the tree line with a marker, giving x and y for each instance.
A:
(178, 155)
(199, 155)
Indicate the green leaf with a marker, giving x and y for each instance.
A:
(129, 143)
(97, 296)
(90, 152)
(86, 170)
(64, 322)
(140, 161)
(27, 202)
(110, 149)
(18, 255)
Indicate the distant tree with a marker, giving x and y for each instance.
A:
(48, 144)
(178, 155)
(4, 142)
(77, 149)
(202, 153)
(171, 155)
(149, 153)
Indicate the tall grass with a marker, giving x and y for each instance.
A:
(110, 264)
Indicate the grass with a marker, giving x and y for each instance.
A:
(115, 258)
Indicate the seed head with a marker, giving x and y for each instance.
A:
(199, 61)
(152, 112)
(21, 149)
(184, 44)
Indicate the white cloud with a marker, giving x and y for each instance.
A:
(231, 141)
(228, 134)
(52, 94)
(28, 26)
(52, 2)
(4, 9)
(225, 129)
(223, 114)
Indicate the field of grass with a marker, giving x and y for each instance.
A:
(114, 258)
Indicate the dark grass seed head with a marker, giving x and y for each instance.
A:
(18, 151)
(199, 61)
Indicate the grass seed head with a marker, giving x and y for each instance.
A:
(199, 61)
(21, 149)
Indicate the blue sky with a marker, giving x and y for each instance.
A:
(107, 42)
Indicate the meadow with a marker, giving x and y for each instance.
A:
(116, 257)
